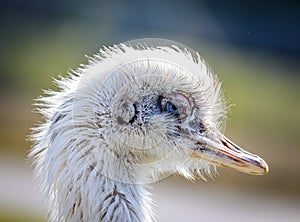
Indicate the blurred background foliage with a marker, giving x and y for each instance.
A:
(253, 46)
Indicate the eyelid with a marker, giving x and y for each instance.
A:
(163, 102)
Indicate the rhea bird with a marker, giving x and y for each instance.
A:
(137, 112)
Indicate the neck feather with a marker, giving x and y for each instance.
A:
(94, 197)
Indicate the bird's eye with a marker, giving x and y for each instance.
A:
(171, 108)
(176, 104)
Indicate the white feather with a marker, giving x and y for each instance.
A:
(87, 167)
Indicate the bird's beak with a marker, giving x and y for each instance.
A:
(222, 152)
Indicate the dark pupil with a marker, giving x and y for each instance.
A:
(171, 108)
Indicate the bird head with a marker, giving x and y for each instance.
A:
(155, 109)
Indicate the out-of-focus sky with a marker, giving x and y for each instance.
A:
(253, 46)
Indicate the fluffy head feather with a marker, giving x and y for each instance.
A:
(123, 120)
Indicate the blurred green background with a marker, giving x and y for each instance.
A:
(253, 47)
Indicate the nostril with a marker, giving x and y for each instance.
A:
(224, 143)
(230, 145)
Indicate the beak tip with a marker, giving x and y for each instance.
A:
(266, 167)
(262, 167)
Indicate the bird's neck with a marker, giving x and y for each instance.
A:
(124, 202)
(99, 196)
(120, 193)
